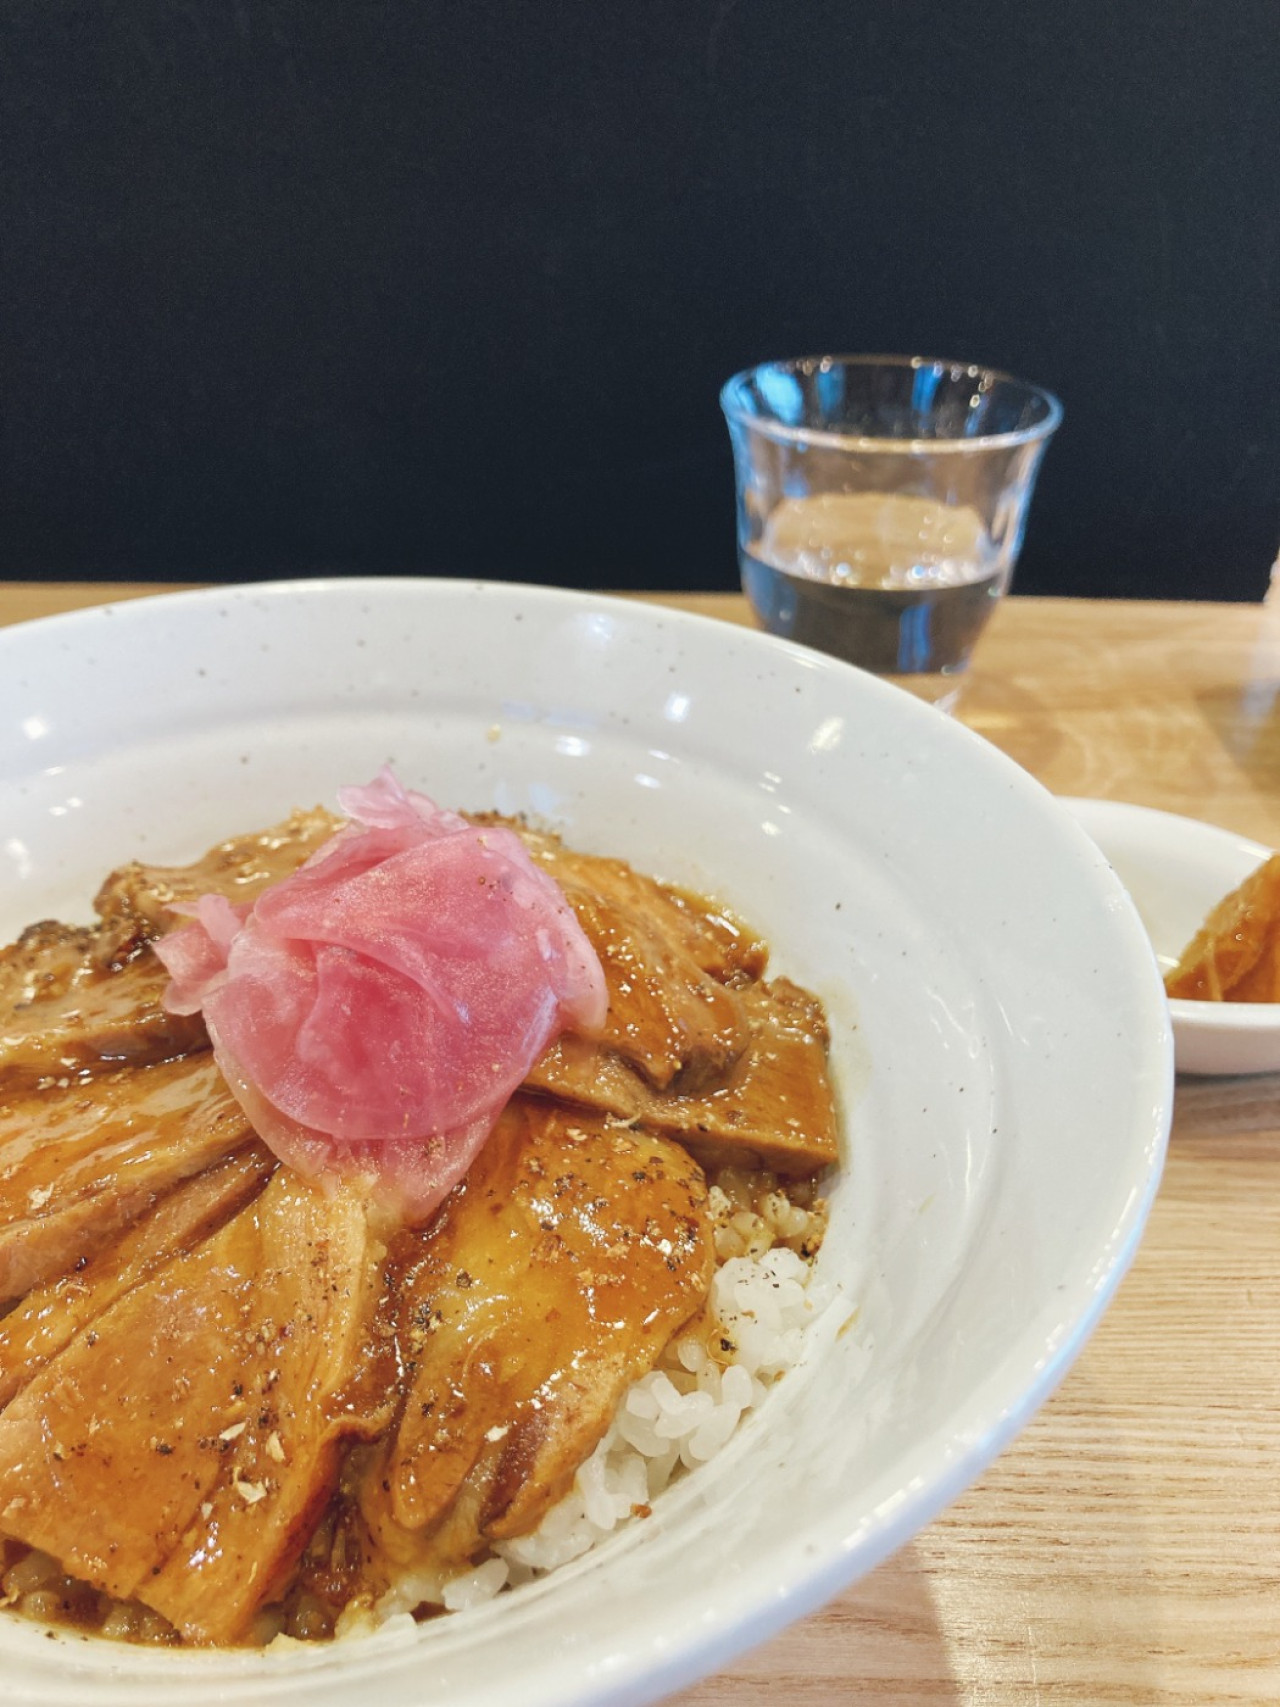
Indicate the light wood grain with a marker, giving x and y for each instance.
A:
(1126, 1549)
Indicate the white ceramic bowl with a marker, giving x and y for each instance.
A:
(1177, 870)
(1000, 1041)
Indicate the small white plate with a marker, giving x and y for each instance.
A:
(1177, 870)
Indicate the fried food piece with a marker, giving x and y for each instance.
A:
(553, 1278)
(181, 1450)
(1235, 956)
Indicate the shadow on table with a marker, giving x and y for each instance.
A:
(1245, 717)
(882, 1640)
(1247, 723)
(1011, 717)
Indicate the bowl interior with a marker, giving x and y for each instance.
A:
(999, 1038)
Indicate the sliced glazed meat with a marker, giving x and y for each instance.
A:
(77, 1165)
(75, 1001)
(552, 1279)
(718, 943)
(140, 896)
(304, 1273)
(50, 1317)
(774, 1108)
(670, 963)
(180, 1451)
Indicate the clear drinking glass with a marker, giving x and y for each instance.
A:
(882, 502)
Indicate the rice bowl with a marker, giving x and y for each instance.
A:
(973, 951)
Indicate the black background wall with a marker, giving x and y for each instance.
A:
(298, 287)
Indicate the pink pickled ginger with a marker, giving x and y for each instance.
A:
(374, 1012)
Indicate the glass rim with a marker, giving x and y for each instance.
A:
(885, 445)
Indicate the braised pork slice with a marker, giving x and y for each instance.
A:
(51, 1316)
(75, 1002)
(671, 964)
(717, 942)
(139, 896)
(78, 1164)
(774, 1108)
(180, 1450)
(553, 1277)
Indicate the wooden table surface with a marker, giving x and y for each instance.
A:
(1126, 1548)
